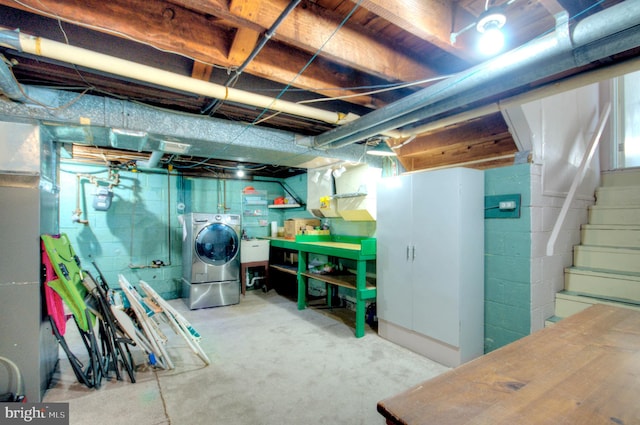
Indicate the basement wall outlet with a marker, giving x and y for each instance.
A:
(502, 206)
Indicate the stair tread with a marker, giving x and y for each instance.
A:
(596, 298)
(603, 272)
(631, 227)
(612, 249)
(613, 178)
(615, 207)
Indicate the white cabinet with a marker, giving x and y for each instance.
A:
(430, 263)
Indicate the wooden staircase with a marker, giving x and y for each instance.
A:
(606, 264)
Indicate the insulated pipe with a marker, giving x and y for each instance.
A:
(597, 36)
(82, 57)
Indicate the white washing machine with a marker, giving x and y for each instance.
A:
(210, 259)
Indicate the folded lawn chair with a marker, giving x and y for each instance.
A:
(63, 275)
(90, 306)
(149, 329)
(178, 323)
(115, 343)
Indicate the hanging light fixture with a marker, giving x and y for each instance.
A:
(489, 25)
(339, 171)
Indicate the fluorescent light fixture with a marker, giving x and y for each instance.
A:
(381, 149)
(174, 147)
(490, 25)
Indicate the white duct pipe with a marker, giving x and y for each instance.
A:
(82, 57)
(153, 160)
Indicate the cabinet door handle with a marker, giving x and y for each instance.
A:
(413, 253)
(407, 252)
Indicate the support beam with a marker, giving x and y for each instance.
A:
(246, 38)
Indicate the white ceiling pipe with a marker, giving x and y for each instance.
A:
(574, 82)
(450, 120)
(610, 31)
(87, 58)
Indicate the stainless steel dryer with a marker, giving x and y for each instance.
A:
(210, 259)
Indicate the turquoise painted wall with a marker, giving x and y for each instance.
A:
(507, 260)
(133, 233)
(142, 224)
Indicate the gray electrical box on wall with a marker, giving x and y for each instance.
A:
(502, 206)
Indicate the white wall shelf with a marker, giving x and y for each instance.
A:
(284, 206)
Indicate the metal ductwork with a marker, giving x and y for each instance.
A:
(611, 31)
(18, 92)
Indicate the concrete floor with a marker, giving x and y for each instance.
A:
(271, 364)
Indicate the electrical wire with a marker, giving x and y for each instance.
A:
(304, 68)
(382, 90)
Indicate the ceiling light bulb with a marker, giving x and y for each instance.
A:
(490, 25)
(491, 42)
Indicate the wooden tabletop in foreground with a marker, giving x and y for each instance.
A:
(583, 370)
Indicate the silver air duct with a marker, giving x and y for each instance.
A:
(603, 34)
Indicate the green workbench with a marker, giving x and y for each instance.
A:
(359, 249)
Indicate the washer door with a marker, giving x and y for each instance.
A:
(217, 244)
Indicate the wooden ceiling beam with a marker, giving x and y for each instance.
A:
(430, 20)
(280, 65)
(178, 29)
(201, 71)
(459, 153)
(308, 28)
(172, 29)
(246, 38)
(486, 127)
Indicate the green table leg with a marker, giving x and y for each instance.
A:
(302, 280)
(361, 284)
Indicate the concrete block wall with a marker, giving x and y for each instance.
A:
(521, 280)
(131, 234)
(142, 224)
(508, 260)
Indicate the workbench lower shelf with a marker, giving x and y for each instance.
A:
(293, 270)
(356, 249)
(344, 280)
